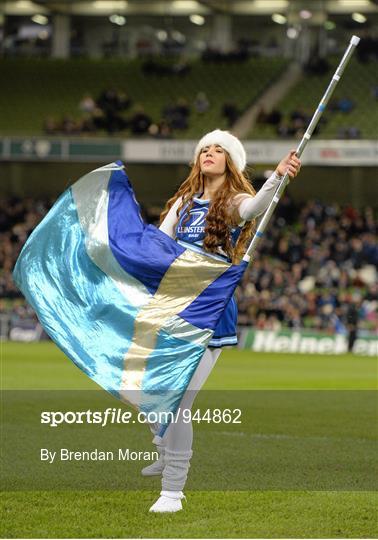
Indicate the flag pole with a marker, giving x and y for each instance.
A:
(306, 137)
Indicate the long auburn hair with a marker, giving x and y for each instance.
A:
(218, 221)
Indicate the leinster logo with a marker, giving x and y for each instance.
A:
(196, 226)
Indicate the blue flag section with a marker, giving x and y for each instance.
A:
(131, 308)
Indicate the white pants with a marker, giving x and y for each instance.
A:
(178, 438)
(179, 435)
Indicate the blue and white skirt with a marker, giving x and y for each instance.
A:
(225, 331)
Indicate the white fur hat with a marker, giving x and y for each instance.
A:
(227, 141)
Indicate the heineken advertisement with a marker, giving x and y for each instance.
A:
(287, 341)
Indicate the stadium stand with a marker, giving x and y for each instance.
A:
(352, 113)
(315, 262)
(56, 88)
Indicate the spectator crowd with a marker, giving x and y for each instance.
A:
(294, 124)
(316, 264)
(114, 111)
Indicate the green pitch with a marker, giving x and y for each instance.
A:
(207, 514)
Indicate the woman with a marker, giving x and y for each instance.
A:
(212, 212)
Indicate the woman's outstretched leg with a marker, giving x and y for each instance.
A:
(178, 441)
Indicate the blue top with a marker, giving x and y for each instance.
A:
(191, 235)
(193, 230)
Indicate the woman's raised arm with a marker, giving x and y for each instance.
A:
(245, 207)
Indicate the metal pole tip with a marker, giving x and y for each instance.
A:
(355, 40)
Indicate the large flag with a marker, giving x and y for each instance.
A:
(132, 308)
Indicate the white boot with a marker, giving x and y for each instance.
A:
(169, 501)
(156, 468)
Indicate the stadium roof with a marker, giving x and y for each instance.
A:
(182, 7)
